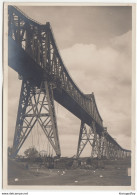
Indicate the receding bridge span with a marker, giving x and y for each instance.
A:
(33, 54)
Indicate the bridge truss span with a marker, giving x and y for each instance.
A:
(38, 60)
(38, 41)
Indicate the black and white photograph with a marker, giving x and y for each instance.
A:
(69, 103)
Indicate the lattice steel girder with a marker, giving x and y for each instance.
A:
(36, 105)
(38, 42)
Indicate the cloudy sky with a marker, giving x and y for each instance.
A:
(95, 45)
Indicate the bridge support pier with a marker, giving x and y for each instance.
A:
(89, 136)
(36, 105)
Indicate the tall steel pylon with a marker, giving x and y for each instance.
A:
(36, 105)
(88, 136)
(98, 143)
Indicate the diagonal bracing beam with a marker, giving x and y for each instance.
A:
(98, 142)
(87, 137)
(36, 105)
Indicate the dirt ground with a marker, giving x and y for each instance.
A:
(111, 175)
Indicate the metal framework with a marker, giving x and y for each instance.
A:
(36, 106)
(101, 147)
(87, 136)
(36, 42)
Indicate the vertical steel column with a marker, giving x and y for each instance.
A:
(95, 145)
(118, 152)
(122, 154)
(52, 113)
(114, 151)
(110, 150)
(104, 144)
(99, 152)
(83, 139)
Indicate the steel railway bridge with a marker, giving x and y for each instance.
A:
(33, 54)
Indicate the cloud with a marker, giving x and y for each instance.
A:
(105, 71)
(14, 86)
(123, 43)
(83, 24)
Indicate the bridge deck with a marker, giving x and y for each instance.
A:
(23, 64)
